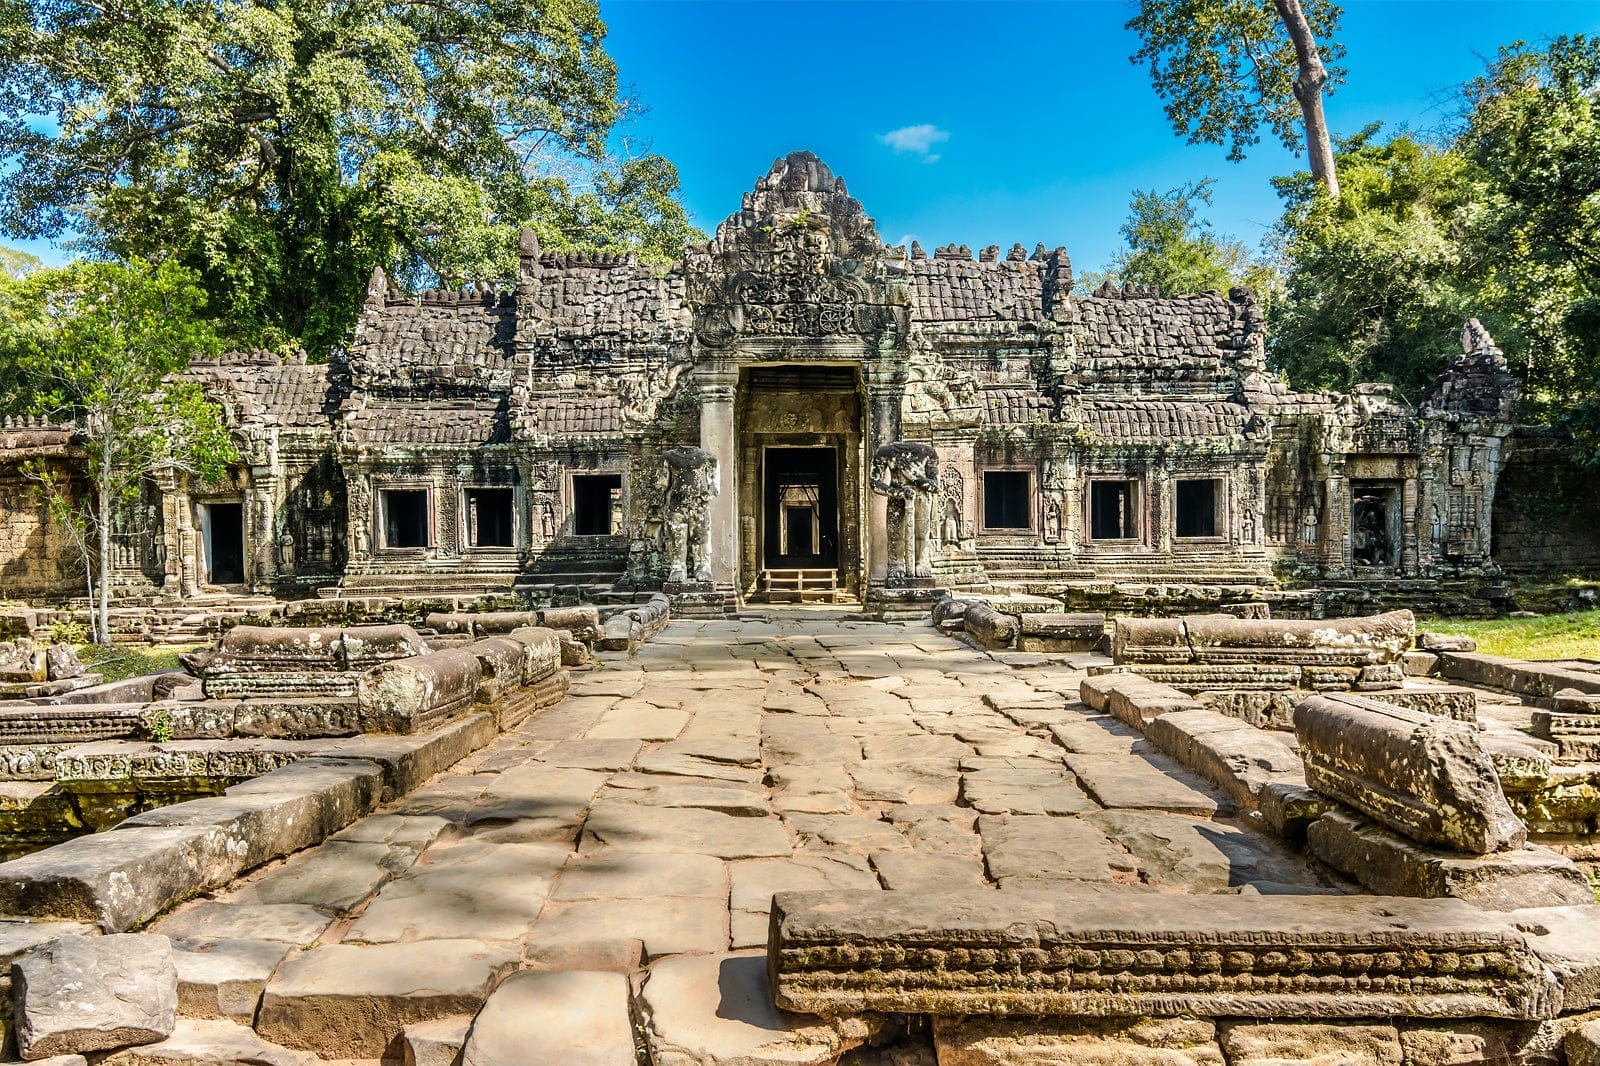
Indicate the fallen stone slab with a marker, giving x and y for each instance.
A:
(1582, 1045)
(715, 1008)
(1132, 698)
(991, 628)
(1122, 952)
(409, 761)
(437, 1042)
(1079, 1041)
(353, 1001)
(204, 921)
(1425, 776)
(1276, 1043)
(80, 994)
(1392, 865)
(1566, 939)
(1137, 783)
(576, 1018)
(1239, 759)
(1449, 701)
(1515, 675)
(418, 694)
(210, 1043)
(18, 937)
(1039, 851)
(1223, 639)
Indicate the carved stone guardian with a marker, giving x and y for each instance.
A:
(691, 484)
(908, 474)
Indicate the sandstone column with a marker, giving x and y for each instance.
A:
(717, 381)
(883, 421)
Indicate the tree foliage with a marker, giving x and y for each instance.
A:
(1228, 68)
(15, 263)
(1500, 221)
(1172, 247)
(282, 150)
(101, 344)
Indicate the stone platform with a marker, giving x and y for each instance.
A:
(619, 854)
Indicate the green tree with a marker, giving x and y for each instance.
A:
(103, 344)
(1533, 134)
(14, 262)
(1228, 67)
(1171, 246)
(1379, 281)
(284, 149)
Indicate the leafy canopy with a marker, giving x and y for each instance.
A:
(1172, 247)
(1226, 68)
(284, 149)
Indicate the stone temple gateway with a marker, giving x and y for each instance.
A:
(797, 410)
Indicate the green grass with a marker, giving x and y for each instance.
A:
(120, 662)
(1553, 636)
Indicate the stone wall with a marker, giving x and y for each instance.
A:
(1547, 511)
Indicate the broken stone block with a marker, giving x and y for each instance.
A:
(92, 993)
(225, 978)
(576, 1018)
(1110, 951)
(1390, 864)
(353, 1001)
(62, 662)
(437, 1042)
(1437, 642)
(1060, 632)
(1582, 1045)
(1425, 776)
(716, 1008)
(1079, 1041)
(420, 693)
(991, 628)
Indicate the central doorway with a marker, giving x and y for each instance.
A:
(222, 533)
(801, 512)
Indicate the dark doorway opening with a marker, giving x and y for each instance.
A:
(1111, 510)
(1375, 523)
(405, 518)
(490, 518)
(1196, 506)
(1007, 499)
(224, 533)
(801, 510)
(596, 501)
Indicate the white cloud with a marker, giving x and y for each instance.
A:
(917, 140)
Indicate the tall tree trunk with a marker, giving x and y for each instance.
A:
(1308, 85)
(104, 625)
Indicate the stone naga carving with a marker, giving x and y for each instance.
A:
(691, 484)
(908, 474)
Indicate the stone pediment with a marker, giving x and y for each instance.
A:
(800, 259)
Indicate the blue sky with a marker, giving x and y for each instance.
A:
(1017, 121)
(1042, 126)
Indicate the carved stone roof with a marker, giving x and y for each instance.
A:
(429, 422)
(1152, 421)
(24, 437)
(265, 392)
(578, 299)
(572, 414)
(443, 340)
(952, 290)
(1015, 407)
(1203, 341)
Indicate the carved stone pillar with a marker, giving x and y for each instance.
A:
(717, 382)
(884, 397)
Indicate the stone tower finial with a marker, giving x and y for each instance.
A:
(528, 259)
(377, 288)
(1475, 338)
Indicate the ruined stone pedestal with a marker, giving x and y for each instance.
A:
(911, 599)
(698, 599)
(1102, 953)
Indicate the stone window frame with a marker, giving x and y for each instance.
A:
(1035, 524)
(1219, 508)
(1137, 505)
(569, 520)
(463, 508)
(380, 516)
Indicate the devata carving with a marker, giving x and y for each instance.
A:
(908, 474)
(690, 484)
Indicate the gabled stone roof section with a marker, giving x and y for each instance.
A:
(580, 298)
(1170, 422)
(444, 340)
(571, 414)
(952, 290)
(1201, 344)
(453, 423)
(1015, 407)
(24, 437)
(259, 390)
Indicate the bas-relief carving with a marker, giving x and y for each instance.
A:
(689, 484)
(908, 474)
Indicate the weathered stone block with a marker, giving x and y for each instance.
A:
(1221, 639)
(1239, 759)
(1423, 775)
(420, 693)
(90, 993)
(1134, 699)
(1390, 864)
(1312, 1044)
(1060, 632)
(1121, 952)
(991, 628)
(541, 652)
(1079, 1041)
(576, 1018)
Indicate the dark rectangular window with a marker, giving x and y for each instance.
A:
(596, 501)
(1196, 507)
(1007, 499)
(405, 518)
(1111, 510)
(489, 518)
